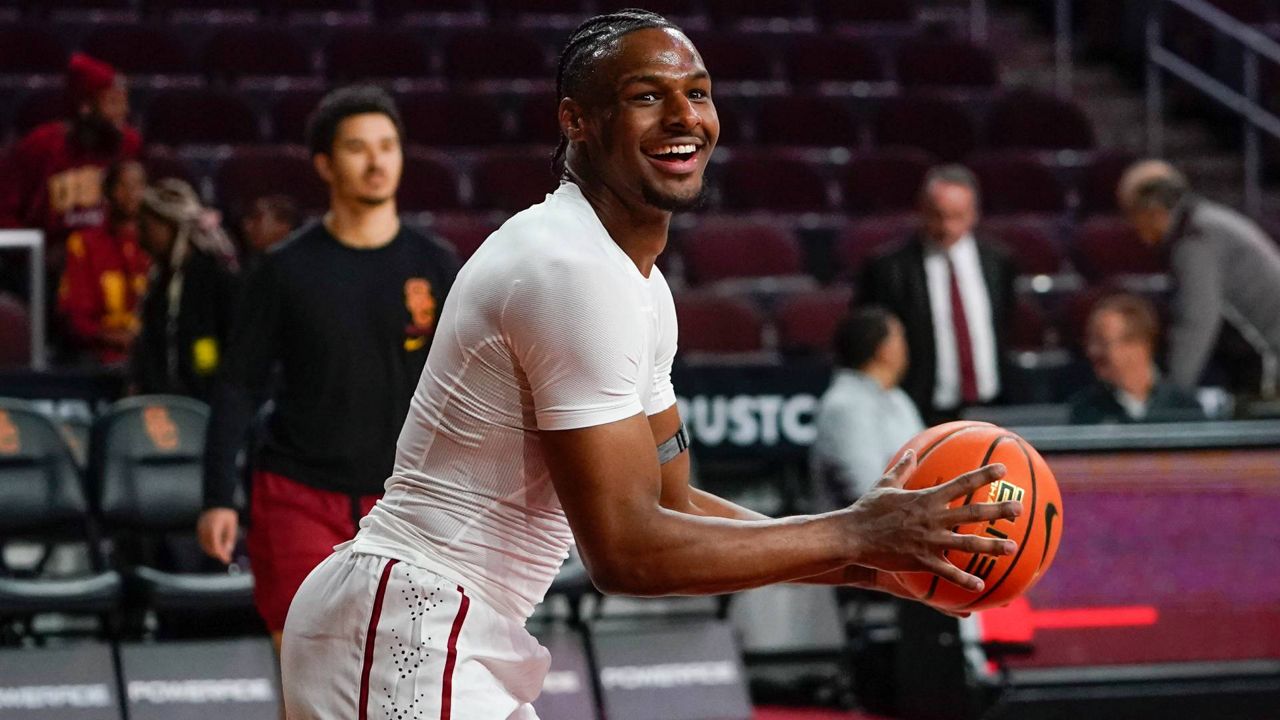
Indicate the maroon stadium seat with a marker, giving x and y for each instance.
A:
(15, 333)
(429, 182)
(471, 56)
(364, 53)
(1104, 247)
(731, 11)
(456, 118)
(161, 164)
(464, 232)
(864, 238)
(182, 117)
(30, 49)
(805, 120)
(290, 113)
(832, 58)
(735, 57)
(256, 50)
(538, 122)
(140, 49)
(931, 63)
(773, 182)
(171, 6)
(1028, 326)
(861, 12)
(1098, 182)
(1017, 184)
(38, 107)
(1036, 121)
(1031, 242)
(717, 324)
(939, 126)
(669, 8)
(885, 180)
(512, 181)
(807, 321)
(721, 251)
(251, 173)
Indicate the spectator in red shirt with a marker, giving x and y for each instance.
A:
(106, 272)
(52, 178)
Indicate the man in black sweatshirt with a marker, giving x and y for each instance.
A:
(338, 320)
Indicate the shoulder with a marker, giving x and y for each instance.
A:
(429, 244)
(43, 138)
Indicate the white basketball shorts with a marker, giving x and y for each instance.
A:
(368, 638)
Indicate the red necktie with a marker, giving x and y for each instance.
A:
(964, 344)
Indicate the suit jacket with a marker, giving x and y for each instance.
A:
(1168, 403)
(895, 279)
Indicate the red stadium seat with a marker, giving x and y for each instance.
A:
(1017, 184)
(30, 49)
(1028, 328)
(235, 52)
(722, 251)
(15, 333)
(939, 126)
(183, 117)
(717, 324)
(887, 180)
(732, 11)
(471, 56)
(1105, 247)
(251, 173)
(512, 181)
(465, 233)
(735, 57)
(290, 113)
(861, 12)
(771, 182)
(538, 120)
(140, 49)
(930, 63)
(831, 58)
(1031, 242)
(456, 118)
(864, 238)
(805, 120)
(375, 53)
(1036, 121)
(1098, 182)
(429, 182)
(807, 321)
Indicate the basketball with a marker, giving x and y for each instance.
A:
(946, 451)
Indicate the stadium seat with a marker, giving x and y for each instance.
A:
(1014, 183)
(668, 8)
(376, 53)
(734, 57)
(465, 233)
(290, 112)
(161, 164)
(447, 119)
(941, 127)
(470, 56)
(712, 323)
(38, 107)
(807, 321)
(864, 238)
(805, 120)
(512, 181)
(201, 117)
(884, 180)
(429, 182)
(862, 12)
(1098, 181)
(140, 49)
(1028, 328)
(1031, 242)
(721, 251)
(30, 49)
(1028, 120)
(250, 173)
(43, 501)
(538, 13)
(1104, 247)
(147, 477)
(15, 333)
(931, 63)
(728, 12)
(773, 182)
(236, 52)
(538, 121)
(827, 58)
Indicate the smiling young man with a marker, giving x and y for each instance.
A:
(546, 415)
(346, 309)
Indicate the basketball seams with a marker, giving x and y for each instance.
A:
(1031, 522)
(986, 458)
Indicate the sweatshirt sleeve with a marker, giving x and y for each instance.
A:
(1197, 308)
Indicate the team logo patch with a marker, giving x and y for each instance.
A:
(160, 427)
(421, 304)
(10, 441)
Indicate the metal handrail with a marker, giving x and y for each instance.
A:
(33, 242)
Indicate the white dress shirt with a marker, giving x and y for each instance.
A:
(977, 310)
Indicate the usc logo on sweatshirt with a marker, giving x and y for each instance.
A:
(421, 304)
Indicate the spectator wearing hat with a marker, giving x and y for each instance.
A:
(186, 315)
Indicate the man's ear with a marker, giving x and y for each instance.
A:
(324, 167)
(572, 120)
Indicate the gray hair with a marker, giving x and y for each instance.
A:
(951, 174)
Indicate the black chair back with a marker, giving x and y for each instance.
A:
(41, 491)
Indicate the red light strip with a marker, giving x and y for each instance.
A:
(1120, 616)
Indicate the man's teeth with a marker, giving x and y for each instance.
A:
(676, 150)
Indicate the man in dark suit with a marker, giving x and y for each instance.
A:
(954, 294)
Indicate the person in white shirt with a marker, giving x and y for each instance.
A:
(864, 417)
(545, 415)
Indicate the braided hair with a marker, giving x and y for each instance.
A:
(584, 46)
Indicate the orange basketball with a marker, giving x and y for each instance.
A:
(952, 449)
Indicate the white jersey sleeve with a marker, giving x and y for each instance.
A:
(578, 343)
(663, 393)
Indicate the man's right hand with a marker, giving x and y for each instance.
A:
(217, 529)
(908, 530)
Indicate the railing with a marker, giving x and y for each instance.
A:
(33, 242)
(1255, 118)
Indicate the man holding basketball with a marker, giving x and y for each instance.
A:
(546, 415)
